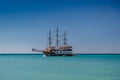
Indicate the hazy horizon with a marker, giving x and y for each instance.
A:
(42, 53)
(92, 26)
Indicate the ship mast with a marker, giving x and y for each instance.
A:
(50, 42)
(65, 39)
(57, 40)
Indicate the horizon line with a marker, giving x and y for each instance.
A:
(42, 53)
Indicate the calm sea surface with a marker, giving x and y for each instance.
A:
(79, 67)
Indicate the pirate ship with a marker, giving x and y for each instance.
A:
(57, 50)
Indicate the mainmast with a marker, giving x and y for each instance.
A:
(50, 42)
(57, 40)
(65, 39)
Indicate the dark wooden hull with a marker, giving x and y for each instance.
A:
(54, 54)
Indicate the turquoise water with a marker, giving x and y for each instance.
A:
(79, 67)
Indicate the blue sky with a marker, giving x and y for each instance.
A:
(93, 26)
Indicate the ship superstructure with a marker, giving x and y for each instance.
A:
(57, 50)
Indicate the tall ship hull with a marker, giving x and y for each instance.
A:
(58, 50)
(56, 54)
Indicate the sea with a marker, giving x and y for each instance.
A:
(78, 67)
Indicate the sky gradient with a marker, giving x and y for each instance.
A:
(93, 26)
